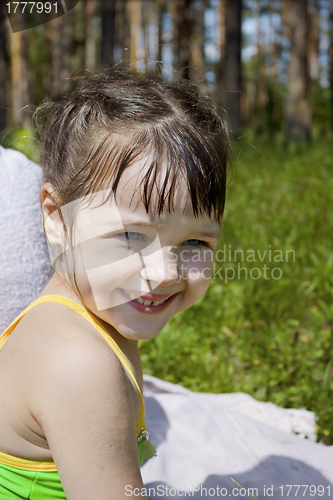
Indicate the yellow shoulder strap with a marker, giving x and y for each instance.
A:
(93, 321)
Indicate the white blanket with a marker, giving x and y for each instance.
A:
(23, 248)
(202, 439)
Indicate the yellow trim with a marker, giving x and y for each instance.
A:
(24, 464)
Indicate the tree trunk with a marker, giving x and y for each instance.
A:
(122, 28)
(146, 7)
(297, 120)
(313, 45)
(172, 9)
(220, 79)
(259, 94)
(91, 44)
(20, 88)
(160, 10)
(231, 68)
(185, 31)
(222, 27)
(135, 23)
(108, 32)
(275, 57)
(3, 65)
(197, 68)
(150, 27)
(62, 48)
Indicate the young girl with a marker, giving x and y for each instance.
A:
(132, 201)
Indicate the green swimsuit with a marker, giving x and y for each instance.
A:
(35, 480)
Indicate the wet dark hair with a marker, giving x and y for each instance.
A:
(109, 120)
(170, 121)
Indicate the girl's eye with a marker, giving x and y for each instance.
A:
(193, 242)
(133, 236)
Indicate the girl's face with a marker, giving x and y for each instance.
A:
(136, 270)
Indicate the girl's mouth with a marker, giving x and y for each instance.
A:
(145, 305)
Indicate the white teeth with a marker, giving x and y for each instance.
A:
(151, 302)
(157, 302)
(146, 302)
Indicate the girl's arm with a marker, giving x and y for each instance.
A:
(84, 405)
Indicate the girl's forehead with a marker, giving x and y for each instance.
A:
(128, 203)
(133, 185)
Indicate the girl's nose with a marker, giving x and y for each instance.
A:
(161, 267)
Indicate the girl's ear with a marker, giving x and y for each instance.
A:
(50, 207)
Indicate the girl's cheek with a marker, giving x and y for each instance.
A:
(197, 265)
(198, 274)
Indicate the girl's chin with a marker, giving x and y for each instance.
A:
(135, 331)
(141, 331)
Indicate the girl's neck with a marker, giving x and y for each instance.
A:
(57, 286)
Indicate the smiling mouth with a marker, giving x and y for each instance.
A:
(145, 301)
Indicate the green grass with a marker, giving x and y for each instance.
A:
(22, 140)
(271, 338)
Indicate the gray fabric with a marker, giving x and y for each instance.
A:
(203, 440)
(23, 249)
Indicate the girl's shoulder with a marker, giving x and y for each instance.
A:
(61, 338)
(51, 326)
(62, 349)
(53, 343)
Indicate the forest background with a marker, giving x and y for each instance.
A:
(265, 325)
